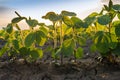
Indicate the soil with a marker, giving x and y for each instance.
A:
(87, 68)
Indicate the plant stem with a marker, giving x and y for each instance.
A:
(17, 13)
(75, 43)
(61, 41)
(96, 25)
(109, 27)
(21, 35)
(55, 37)
(61, 32)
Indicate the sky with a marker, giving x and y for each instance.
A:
(38, 8)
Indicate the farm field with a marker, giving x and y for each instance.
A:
(68, 49)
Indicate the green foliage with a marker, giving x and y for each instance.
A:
(56, 53)
(81, 41)
(24, 51)
(16, 44)
(90, 19)
(118, 16)
(29, 40)
(9, 28)
(36, 53)
(93, 48)
(32, 23)
(116, 7)
(116, 51)
(102, 42)
(106, 7)
(40, 37)
(113, 41)
(68, 47)
(77, 23)
(116, 24)
(44, 29)
(79, 52)
(17, 19)
(94, 14)
(104, 19)
(67, 21)
(3, 50)
(51, 16)
(67, 13)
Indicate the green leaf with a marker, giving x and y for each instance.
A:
(43, 40)
(15, 44)
(29, 39)
(77, 22)
(40, 52)
(81, 41)
(2, 51)
(102, 42)
(79, 52)
(67, 21)
(93, 48)
(116, 51)
(104, 19)
(116, 7)
(17, 19)
(118, 15)
(103, 47)
(94, 14)
(24, 51)
(34, 54)
(9, 28)
(116, 24)
(37, 53)
(44, 29)
(112, 14)
(67, 31)
(41, 24)
(40, 37)
(68, 47)
(67, 13)
(113, 41)
(52, 16)
(85, 25)
(89, 20)
(58, 51)
(32, 23)
(51, 27)
(117, 31)
(49, 48)
(12, 53)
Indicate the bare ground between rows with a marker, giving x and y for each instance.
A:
(85, 69)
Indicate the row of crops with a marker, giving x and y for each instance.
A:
(66, 36)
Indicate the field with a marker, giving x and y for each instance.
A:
(69, 49)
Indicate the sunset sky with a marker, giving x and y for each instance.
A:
(37, 8)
